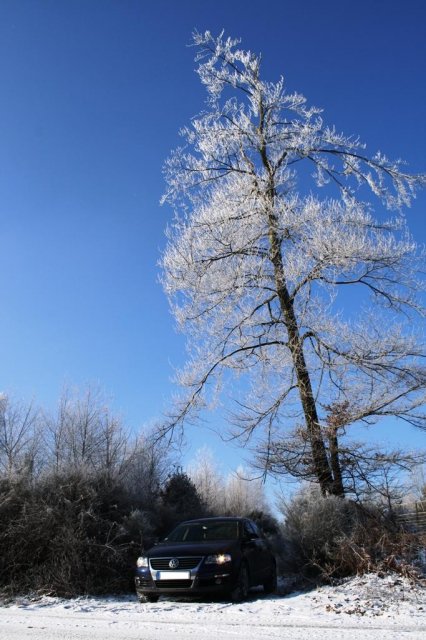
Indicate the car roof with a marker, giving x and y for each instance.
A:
(214, 519)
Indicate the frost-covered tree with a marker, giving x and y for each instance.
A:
(85, 434)
(208, 481)
(19, 437)
(239, 493)
(256, 262)
(244, 495)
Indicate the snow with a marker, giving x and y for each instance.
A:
(388, 608)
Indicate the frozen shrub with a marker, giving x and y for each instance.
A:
(332, 537)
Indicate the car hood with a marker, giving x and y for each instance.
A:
(191, 548)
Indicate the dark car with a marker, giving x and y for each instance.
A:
(209, 556)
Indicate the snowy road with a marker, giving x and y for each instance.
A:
(24, 627)
(361, 609)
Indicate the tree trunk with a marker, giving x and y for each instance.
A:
(338, 489)
(319, 453)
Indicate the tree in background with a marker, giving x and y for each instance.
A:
(179, 500)
(19, 437)
(256, 262)
(237, 494)
(208, 481)
(244, 494)
(85, 434)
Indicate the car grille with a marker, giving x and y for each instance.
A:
(173, 584)
(162, 564)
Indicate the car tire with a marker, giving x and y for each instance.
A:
(148, 597)
(270, 585)
(241, 589)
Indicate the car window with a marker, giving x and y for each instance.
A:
(221, 531)
(255, 529)
(200, 531)
(251, 530)
(248, 531)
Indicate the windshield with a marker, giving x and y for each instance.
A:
(201, 531)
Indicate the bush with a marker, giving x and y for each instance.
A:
(69, 534)
(79, 497)
(331, 537)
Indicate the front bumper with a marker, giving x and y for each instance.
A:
(217, 580)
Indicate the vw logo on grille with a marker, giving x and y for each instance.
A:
(174, 563)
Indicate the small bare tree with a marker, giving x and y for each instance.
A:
(244, 494)
(208, 481)
(85, 435)
(19, 436)
(238, 493)
(255, 263)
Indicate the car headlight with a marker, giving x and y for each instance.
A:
(142, 562)
(220, 558)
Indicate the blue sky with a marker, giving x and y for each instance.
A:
(93, 95)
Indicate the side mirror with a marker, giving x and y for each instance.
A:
(251, 537)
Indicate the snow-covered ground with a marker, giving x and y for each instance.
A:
(366, 607)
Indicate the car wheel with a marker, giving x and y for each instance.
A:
(270, 585)
(241, 589)
(148, 597)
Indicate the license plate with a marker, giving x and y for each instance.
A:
(173, 575)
